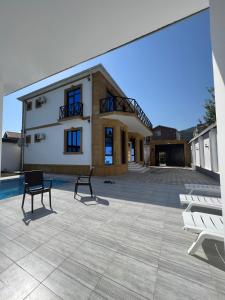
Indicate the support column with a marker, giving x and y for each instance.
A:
(217, 20)
(1, 120)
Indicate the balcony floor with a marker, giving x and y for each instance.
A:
(127, 243)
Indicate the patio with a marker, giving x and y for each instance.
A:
(128, 243)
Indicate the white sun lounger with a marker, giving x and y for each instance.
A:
(200, 201)
(203, 188)
(206, 225)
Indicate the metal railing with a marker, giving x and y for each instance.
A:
(122, 104)
(71, 110)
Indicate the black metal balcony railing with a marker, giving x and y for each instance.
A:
(122, 104)
(71, 110)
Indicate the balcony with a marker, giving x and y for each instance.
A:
(125, 109)
(71, 110)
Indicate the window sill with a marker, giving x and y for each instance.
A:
(70, 118)
(72, 153)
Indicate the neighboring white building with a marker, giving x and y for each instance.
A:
(11, 152)
(81, 121)
(204, 151)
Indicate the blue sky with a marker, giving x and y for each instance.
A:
(166, 72)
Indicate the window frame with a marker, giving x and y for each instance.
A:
(28, 139)
(35, 138)
(141, 149)
(72, 88)
(123, 148)
(112, 146)
(27, 105)
(38, 103)
(66, 140)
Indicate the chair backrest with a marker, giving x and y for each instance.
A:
(33, 178)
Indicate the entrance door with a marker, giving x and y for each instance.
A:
(129, 151)
(162, 159)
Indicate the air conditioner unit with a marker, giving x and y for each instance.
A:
(40, 136)
(41, 100)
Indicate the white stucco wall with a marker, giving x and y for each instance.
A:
(49, 112)
(217, 20)
(197, 154)
(11, 156)
(51, 149)
(204, 151)
(214, 150)
(207, 153)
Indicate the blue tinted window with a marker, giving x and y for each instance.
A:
(108, 146)
(110, 101)
(73, 141)
(74, 102)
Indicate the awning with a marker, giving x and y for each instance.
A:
(40, 38)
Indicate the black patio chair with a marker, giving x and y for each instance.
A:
(84, 180)
(34, 185)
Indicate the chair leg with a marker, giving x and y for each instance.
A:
(75, 190)
(90, 187)
(201, 237)
(42, 199)
(24, 195)
(50, 199)
(32, 203)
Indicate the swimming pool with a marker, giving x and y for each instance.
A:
(14, 187)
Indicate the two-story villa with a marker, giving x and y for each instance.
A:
(81, 121)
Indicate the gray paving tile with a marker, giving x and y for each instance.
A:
(172, 287)
(178, 254)
(49, 255)
(93, 256)
(108, 289)
(60, 247)
(96, 296)
(16, 283)
(5, 262)
(197, 275)
(10, 233)
(13, 251)
(42, 293)
(37, 267)
(26, 242)
(84, 275)
(143, 242)
(147, 257)
(66, 287)
(133, 274)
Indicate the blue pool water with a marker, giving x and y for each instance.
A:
(14, 187)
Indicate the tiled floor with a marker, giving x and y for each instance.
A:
(127, 243)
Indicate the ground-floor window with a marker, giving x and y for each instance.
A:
(108, 146)
(133, 149)
(73, 140)
(123, 147)
(141, 150)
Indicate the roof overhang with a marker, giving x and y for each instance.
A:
(133, 123)
(41, 38)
